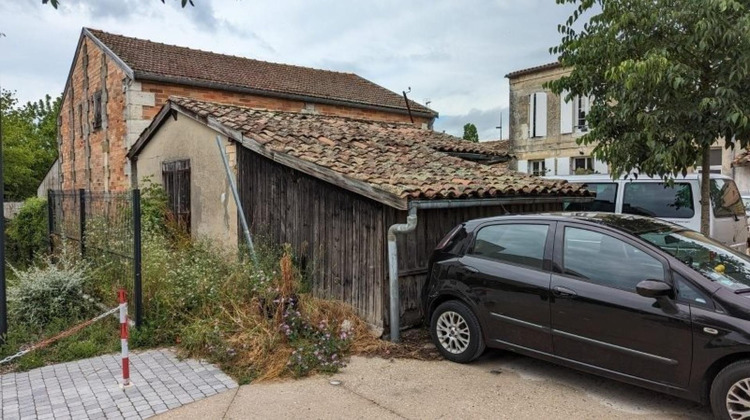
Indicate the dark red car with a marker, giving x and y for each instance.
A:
(630, 298)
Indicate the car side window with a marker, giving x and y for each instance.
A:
(521, 244)
(688, 293)
(605, 260)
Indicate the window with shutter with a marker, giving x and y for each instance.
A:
(176, 177)
(581, 110)
(566, 114)
(538, 115)
(537, 167)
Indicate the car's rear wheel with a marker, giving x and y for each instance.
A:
(456, 332)
(730, 392)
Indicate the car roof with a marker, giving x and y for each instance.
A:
(626, 223)
(631, 177)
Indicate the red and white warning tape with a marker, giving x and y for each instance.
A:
(122, 307)
(47, 341)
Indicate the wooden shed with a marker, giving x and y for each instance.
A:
(332, 187)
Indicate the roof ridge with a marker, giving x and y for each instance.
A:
(94, 31)
(274, 111)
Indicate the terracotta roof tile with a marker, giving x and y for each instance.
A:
(148, 59)
(398, 158)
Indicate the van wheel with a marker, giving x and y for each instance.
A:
(730, 392)
(456, 332)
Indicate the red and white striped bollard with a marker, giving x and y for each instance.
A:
(124, 338)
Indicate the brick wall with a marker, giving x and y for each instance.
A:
(91, 157)
(95, 158)
(163, 91)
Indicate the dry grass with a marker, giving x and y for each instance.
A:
(247, 339)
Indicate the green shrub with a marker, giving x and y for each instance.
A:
(154, 206)
(49, 291)
(27, 232)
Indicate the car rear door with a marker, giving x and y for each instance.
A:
(508, 266)
(599, 319)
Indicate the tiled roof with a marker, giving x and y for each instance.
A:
(530, 70)
(492, 148)
(150, 59)
(399, 159)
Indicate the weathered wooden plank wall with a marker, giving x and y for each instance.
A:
(340, 238)
(337, 235)
(415, 248)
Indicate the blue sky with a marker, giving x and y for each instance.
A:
(453, 54)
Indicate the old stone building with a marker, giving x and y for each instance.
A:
(544, 130)
(544, 127)
(117, 84)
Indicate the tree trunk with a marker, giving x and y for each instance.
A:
(706, 190)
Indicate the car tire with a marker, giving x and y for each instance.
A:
(730, 390)
(456, 332)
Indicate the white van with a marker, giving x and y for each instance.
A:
(648, 196)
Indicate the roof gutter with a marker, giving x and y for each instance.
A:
(411, 225)
(141, 75)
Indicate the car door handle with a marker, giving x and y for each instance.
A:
(564, 291)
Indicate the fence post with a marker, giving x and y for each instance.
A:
(82, 220)
(124, 338)
(50, 221)
(137, 290)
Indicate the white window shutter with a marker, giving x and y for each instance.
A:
(523, 166)
(600, 167)
(566, 114)
(541, 114)
(549, 166)
(563, 164)
(532, 98)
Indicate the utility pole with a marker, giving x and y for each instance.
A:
(500, 127)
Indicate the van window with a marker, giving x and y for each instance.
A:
(657, 199)
(726, 199)
(606, 194)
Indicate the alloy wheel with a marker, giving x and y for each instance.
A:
(453, 332)
(738, 400)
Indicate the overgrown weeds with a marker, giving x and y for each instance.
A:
(258, 321)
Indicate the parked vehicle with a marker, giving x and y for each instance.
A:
(648, 196)
(630, 298)
(746, 202)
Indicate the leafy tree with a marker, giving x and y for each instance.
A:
(668, 78)
(29, 135)
(470, 133)
(55, 3)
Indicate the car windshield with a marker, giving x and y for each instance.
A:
(713, 260)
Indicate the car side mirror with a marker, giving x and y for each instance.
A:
(653, 288)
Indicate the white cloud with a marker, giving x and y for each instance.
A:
(454, 54)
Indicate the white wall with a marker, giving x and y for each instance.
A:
(213, 213)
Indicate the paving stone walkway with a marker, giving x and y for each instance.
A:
(90, 388)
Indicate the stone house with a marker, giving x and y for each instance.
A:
(331, 187)
(544, 127)
(117, 84)
(544, 130)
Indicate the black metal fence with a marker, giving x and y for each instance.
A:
(105, 227)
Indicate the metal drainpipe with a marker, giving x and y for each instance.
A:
(395, 305)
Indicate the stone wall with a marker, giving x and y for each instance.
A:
(555, 148)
